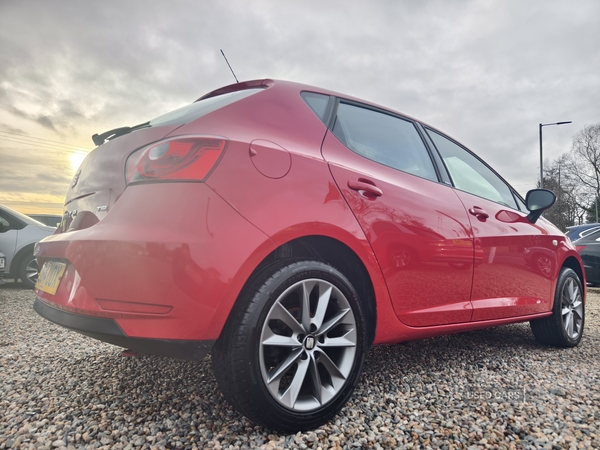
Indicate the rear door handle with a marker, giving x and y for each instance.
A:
(478, 212)
(365, 187)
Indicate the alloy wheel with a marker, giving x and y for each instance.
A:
(572, 308)
(31, 271)
(308, 345)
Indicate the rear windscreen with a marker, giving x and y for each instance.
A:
(188, 113)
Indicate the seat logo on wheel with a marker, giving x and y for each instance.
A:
(309, 342)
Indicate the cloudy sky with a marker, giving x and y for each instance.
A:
(486, 72)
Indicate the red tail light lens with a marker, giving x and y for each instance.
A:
(579, 248)
(185, 158)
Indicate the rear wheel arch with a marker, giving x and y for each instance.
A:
(327, 250)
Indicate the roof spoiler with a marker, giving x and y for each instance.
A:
(239, 87)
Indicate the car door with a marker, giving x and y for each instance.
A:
(515, 260)
(416, 225)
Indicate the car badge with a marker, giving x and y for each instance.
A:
(309, 342)
(76, 178)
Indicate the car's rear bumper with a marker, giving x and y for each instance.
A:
(107, 330)
(163, 267)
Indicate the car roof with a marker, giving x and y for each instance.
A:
(301, 87)
(583, 226)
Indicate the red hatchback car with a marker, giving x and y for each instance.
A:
(287, 229)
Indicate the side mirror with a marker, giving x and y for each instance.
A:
(538, 201)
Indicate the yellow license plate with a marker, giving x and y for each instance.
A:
(50, 276)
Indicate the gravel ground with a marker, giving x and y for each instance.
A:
(494, 388)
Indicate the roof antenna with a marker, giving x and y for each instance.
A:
(236, 80)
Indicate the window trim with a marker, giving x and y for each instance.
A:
(441, 168)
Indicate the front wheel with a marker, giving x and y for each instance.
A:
(293, 349)
(564, 328)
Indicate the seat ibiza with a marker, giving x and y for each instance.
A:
(286, 229)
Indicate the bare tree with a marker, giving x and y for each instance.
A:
(567, 210)
(575, 179)
(584, 162)
(592, 214)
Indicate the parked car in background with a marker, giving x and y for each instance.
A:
(287, 229)
(588, 247)
(578, 231)
(2, 267)
(18, 235)
(52, 220)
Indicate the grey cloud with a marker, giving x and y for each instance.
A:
(10, 129)
(485, 72)
(45, 121)
(29, 170)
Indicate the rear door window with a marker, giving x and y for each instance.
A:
(383, 138)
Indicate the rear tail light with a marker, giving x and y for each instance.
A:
(180, 159)
(579, 248)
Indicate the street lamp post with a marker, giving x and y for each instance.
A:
(541, 151)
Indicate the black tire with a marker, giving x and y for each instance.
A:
(564, 328)
(28, 271)
(279, 374)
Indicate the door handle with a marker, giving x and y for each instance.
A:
(478, 212)
(365, 187)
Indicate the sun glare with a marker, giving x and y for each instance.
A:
(76, 160)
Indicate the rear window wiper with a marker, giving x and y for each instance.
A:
(99, 139)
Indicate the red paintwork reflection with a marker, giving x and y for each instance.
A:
(515, 262)
(414, 245)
